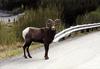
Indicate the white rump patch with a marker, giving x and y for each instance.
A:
(25, 31)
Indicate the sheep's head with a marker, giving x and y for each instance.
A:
(52, 23)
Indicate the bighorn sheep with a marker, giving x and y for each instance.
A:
(43, 35)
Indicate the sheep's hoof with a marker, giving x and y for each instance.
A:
(46, 58)
(25, 57)
(30, 57)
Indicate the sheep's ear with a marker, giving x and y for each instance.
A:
(57, 21)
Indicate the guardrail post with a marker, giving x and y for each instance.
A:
(70, 35)
(82, 31)
(95, 28)
(91, 29)
(98, 28)
(87, 30)
(62, 39)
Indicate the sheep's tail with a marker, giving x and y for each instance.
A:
(24, 32)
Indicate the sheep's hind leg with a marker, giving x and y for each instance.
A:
(24, 49)
(28, 51)
(46, 46)
(26, 45)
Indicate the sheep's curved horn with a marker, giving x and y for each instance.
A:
(49, 21)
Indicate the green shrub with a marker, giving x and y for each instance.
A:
(92, 17)
(7, 35)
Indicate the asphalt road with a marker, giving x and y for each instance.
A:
(74, 53)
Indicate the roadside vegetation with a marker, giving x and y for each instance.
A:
(92, 17)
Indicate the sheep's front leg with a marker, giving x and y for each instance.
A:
(46, 46)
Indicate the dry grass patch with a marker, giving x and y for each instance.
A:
(7, 51)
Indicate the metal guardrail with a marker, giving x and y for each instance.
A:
(68, 31)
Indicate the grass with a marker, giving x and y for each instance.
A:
(14, 50)
(92, 17)
(7, 34)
